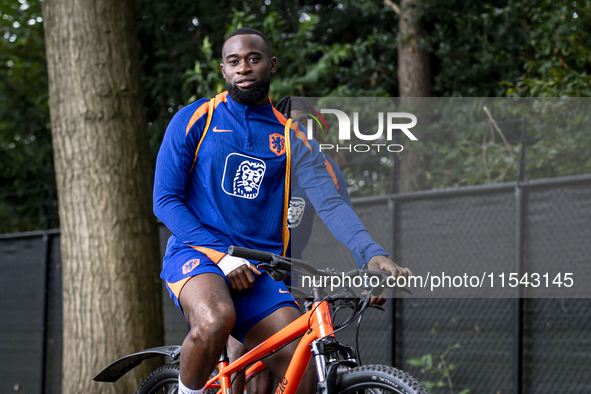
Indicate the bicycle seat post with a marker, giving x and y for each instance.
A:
(224, 381)
(224, 357)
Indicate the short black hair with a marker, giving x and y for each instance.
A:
(244, 31)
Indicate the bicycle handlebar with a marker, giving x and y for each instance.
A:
(277, 262)
(250, 254)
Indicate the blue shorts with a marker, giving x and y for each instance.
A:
(252, 305)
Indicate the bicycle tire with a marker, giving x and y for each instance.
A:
(163, 380)
(377, 379)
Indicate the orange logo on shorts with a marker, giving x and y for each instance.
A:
(277, 143)
(190, 266)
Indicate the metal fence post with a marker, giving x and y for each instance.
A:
(45, 291)
(393, 210)
(519, 219)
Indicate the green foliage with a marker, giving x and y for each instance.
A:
(557, 62)
(557, 53)
(170, 34)
(484, 50)
(467, 146)
(26, 160)
(313, 60)
(439, 370)
(329, 48)
(526, 48)
(208, 83)
(462, 145)
(559, 141)
(503, 47)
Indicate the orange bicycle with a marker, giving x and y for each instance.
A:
(337, 366)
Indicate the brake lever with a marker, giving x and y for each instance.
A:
(278, 276)
(271, 269)
(267, 267)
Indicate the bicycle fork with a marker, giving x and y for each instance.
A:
(329, 355)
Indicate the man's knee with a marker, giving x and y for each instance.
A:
(208, 308)
(212, 324)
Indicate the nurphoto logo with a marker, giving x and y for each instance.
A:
(344, 122)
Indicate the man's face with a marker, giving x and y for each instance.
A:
(247, 67)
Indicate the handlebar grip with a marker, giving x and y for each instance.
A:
(250, 254)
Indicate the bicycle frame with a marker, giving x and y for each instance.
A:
(313, 325)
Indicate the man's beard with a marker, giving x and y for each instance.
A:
(258, 91)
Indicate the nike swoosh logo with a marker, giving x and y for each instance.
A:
(215, 129)
(283, 292)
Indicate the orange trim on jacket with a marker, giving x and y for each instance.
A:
(332, 174)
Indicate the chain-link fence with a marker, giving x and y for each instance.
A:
(488, 345)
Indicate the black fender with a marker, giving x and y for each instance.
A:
(117, 369)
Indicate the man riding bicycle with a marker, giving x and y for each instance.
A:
(223, 177)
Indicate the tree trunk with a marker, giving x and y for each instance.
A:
(414, 67)
(109, 240)
(415, 80)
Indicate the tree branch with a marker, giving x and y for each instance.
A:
(392, 5)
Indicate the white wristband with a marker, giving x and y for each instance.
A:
(230, 263)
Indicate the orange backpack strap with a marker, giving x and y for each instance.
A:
(207, 124)
(285, 234)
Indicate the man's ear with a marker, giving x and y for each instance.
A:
(222, 68)
(273, 64)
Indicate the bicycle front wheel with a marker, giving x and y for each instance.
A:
(377, 379)
(163, 380)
